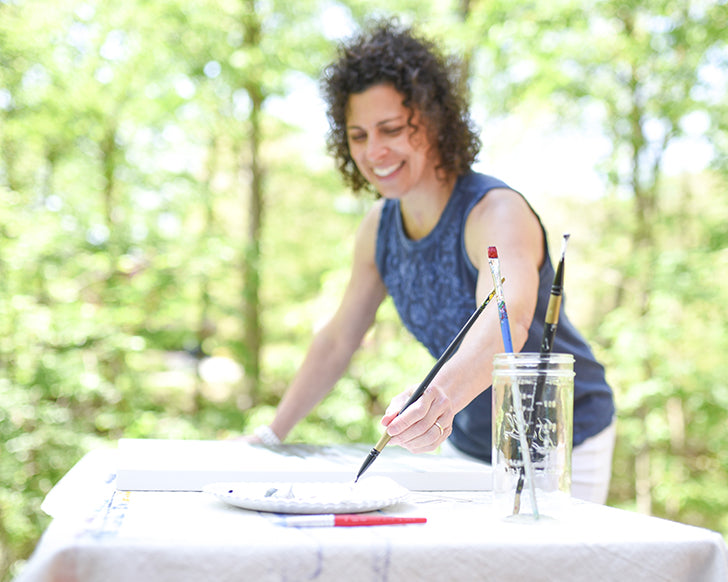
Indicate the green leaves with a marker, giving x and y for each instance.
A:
(126, 164)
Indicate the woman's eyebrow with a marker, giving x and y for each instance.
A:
(396, 119)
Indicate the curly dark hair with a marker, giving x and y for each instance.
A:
(385, 52)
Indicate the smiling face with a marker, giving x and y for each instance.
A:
(390, 150)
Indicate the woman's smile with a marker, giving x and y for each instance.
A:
(383, 172)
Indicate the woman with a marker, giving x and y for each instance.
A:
(400, 127)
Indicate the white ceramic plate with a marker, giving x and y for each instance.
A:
(368, 494)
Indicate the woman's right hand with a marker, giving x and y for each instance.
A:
(424, 425)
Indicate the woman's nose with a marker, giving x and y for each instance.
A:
(376, 149)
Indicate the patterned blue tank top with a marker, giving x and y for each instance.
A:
(432, 282)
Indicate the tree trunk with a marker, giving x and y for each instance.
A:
(252, 332)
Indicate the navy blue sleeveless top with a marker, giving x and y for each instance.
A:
(432, 282)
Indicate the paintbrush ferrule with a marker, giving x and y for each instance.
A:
(382, 442)
(553, 309)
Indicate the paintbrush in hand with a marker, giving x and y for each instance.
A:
(449, 351)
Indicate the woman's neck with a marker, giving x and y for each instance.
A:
(421, 211)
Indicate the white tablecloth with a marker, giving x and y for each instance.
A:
(101, 534)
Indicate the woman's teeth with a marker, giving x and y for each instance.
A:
(383, 172)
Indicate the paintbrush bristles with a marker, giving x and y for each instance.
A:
(563, 245)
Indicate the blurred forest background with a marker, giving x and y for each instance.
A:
(172, 231)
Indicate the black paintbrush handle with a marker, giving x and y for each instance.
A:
(447, 354)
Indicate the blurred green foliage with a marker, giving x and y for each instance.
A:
(124, 204)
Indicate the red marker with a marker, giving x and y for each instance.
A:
(347, 520)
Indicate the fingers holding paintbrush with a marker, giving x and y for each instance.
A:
(424, 425)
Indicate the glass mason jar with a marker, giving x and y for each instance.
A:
(533, 408)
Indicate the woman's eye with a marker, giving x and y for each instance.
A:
(357, 137)
(393, 130)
